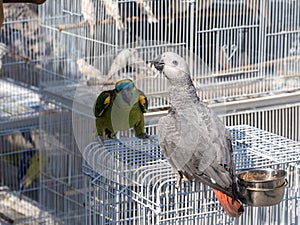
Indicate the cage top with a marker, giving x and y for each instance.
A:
(268, 147)
(140, 162)
(133, 160)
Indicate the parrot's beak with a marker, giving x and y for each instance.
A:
(158, 63)
(127, 95)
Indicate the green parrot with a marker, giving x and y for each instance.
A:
(120, 109)
(34, 169)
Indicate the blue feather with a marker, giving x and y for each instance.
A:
(124, 84)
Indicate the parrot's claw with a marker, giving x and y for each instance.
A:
(180, 177)
(144, 136)
(178, 180)
(101, 139)
(112, 136)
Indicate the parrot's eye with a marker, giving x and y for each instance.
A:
(175, 62)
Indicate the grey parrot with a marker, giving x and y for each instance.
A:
(193, 139)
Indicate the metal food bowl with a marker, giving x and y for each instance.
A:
(262, 187)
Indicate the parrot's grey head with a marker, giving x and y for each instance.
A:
(173, 66)
(126, 88)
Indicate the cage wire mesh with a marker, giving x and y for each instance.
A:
(19, 176)
(102, 192)
(17, 150)
(20, 155)
(128, 181)
(21, 35)
(62, 182)
(250, 47)
(243, 48)
(282, 119)
(19, 77)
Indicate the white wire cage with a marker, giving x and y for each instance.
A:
(233, 43)
(19, 79)
(128, 181)
(20, 159)
(18, 146)
(19, 117)
(62, 183)
(279, 119)
(19, 52)
(21, 38)
(241, 48)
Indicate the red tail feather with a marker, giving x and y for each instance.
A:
(234, 209)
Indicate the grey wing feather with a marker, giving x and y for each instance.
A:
(167, 132)
(221, 167)
(194, 141)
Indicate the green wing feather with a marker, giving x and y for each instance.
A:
(102, 102)
(143, 101)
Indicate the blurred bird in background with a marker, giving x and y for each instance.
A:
(29, 168)
(88, 12)
(32, 172)
(112, 10)
(146, 9)
(127, 59)
(91, 75)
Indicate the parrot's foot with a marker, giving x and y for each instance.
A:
(143, 136)
(178, 181)
(112, 135)
(180, 177)
(101, 139)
